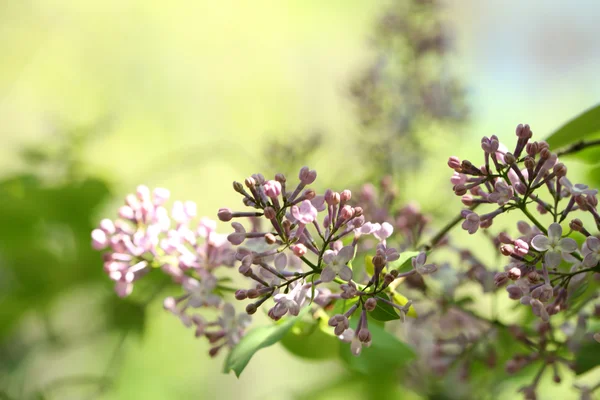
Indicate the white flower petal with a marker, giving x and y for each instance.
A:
(567, 245)
(345, 254)
(554, 232)
(540, 243)
(552, 259)
(345, 273)
(328, 274)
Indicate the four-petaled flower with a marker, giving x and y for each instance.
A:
(336, 264)
(591, 252)
(471, 223)
(554, 245)
(578, 189)
(305, 214)
(419, 265)
(503, 193)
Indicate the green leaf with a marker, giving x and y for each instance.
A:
(587, 357)
(256, 339)
(583, 127)
(384, 311)
(126, 315)
(404, 263)
(309, 340)
(385, 353)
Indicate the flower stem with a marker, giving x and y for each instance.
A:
(537, 223)
(578, 146)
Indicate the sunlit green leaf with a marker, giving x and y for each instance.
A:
(256, 339)
(310, 340)
(585, 126)
(385, 353)
(384, 311)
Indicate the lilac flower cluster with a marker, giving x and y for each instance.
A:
(146, 236)
(307, 252)
(546, 267)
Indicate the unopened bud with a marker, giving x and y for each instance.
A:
(280, 178)
(545, 154)
(346, 195)
(460, 190)
(251, 308)
(309, 194)
(240, 294)
(506, 250)
(509, 158)
(250, 182)
(514, 273)
(560, 170)
(270, 238)
(454, 163)
(225, 214)
(576, 225)
(529, 163)
(532, 148)
(270, 212)
(370, 304)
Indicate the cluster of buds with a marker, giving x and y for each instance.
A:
(305, 256)
(146, 237)
(546, 267)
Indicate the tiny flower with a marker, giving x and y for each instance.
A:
(503, 193)
(306, 213)
(336, 264)
(553, 245)
(419, 265)
(539, 309)
(577, 189)
(471, 223)
(201, 292)
(383, 231)
(591, 251)
(290, 302)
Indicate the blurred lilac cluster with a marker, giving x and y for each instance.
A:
(146, 237)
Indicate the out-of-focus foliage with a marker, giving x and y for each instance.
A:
(410, 88)
(46, 215)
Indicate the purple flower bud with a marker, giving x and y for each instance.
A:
(299, 249)
(345, 196)
(514, 292)
(514, 273)
(370, 304)
(272, 189)
(454, 163)
(225, 214)
(500, 279)
(99, 239)
(240, 294)
(307, 176)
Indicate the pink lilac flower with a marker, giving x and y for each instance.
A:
(471, 223)
(419, 265)
(503, 193)
(577, 189)
(290, 302)
(554, 245)
(336, 264)
(591, 252)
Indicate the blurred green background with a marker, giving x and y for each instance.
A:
(99, 96)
